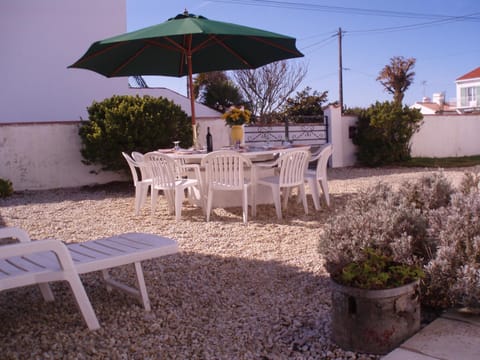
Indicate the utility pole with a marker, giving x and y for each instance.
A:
(340, 70)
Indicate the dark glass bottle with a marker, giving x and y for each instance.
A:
(209, 141)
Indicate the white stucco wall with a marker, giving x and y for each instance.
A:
(447, 136)
(39, 39)
(38, 156)
(343, 147)
(47, 156)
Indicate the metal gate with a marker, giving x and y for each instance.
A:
(313, 134)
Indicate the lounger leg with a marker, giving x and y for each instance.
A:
(142, 287)
(46, 292)
(83, 302)
(140, 293)
(107, 278)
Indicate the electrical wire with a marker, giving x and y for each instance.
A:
(344, 10)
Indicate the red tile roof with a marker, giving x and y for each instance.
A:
(471, 75)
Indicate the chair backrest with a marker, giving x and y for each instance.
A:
(292, 165)
(144, 169)
(132, 164)
(138, 156)
(162, 169)
(225, 169)
(322, 157)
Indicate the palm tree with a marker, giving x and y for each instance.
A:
(397, 77)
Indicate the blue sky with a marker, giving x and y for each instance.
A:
(442, 35)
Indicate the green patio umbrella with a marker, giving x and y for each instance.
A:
(184, 45)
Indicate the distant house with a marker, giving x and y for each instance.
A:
(468, 91)
(436, 105)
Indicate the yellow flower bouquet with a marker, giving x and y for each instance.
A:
(237, 116)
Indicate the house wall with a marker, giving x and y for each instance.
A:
(39, 40)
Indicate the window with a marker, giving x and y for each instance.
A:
(469, 96)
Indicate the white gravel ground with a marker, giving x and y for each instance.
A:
(233, 292)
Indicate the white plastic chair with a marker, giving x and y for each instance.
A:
(225, 171)
(141, 184)
(291, 166)
(16, 270)
(186, 170)
(164, 172)
(317, 178)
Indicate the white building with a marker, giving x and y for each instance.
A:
(436, 105)
(39, 39)
(468, 91)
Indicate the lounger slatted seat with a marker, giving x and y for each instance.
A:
(40, 262)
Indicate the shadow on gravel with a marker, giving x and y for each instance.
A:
(203, 307)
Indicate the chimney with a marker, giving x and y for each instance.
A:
(439, 98)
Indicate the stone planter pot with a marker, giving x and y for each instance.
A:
(374, 321)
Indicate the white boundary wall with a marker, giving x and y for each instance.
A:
(38, 156)
(439, 136)
(447, 136)
(47, 156)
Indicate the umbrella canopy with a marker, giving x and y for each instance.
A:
(184, 45)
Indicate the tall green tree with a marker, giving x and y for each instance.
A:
(397, 77)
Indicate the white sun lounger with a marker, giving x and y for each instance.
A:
(39, 262)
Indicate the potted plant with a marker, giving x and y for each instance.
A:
(373, 250)
(235, 117)
(375, 303)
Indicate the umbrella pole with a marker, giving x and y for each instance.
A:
(192, 100)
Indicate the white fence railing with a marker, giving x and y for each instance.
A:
(308, 134)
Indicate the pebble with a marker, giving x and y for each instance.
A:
(234, 292)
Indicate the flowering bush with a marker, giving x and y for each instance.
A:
(426, 223)
(453, 274)
(237, 116)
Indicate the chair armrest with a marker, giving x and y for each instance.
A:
(15, 233)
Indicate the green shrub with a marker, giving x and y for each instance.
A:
(6, 188)
(383, 133)
(377, 272)
(131, 123)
